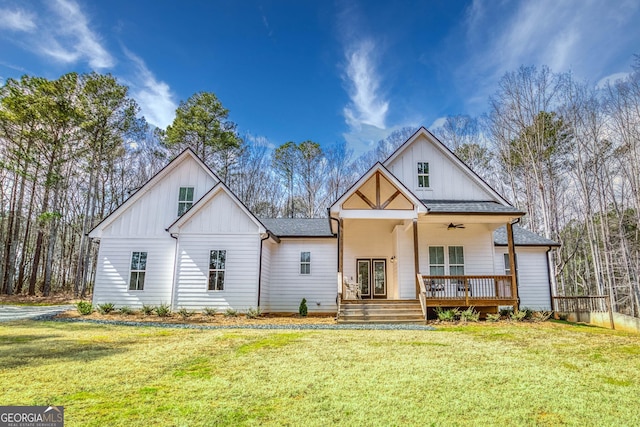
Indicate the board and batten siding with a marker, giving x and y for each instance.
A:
(446, 179)
(287, 286)
(240, 276)
(405, 264)
(113, 272)
(157, 209)
(476, 240)
(533, 276)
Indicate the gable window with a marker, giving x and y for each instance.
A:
(305, 262)
(217, 261)
(185, 199)
(456, 261)
(138, 270)
(436, 260)
(423, 174)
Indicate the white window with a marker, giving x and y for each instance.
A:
(436, 260)
(185, 199)
(138, 271)
(305, 262)
(507, 263)
(438, 265)
(217, 261)
(456, 261)
(423, 174)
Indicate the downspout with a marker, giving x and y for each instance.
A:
(175, 271)
(339, 237)
(515, 259)
(549, 279)
(262, 239)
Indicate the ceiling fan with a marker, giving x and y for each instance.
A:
(452, 226)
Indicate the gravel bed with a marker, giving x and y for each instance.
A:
(354, 326)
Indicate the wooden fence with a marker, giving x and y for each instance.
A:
(584, 304)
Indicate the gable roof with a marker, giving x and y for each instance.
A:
(521, 237)
(449, 155)
(298, 227)
(96, 231)
(209, 195)
(379, 167)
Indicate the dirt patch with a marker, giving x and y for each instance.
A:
(55, 299)
(200, 319)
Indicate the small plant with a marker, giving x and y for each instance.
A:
(106, 308)
(230, 312)
(148, 310)
(562, 316)
(209, 311)
(125, 309)
(163, 310)
(505, 312)
(518, 316)
(253, 313)
(185, 313)
(493, 317)
(469, 315)
(528, 313)
(448, 315)
(302, 310)
(541, 316)
(84, 307)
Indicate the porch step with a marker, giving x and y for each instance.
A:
(380, 311)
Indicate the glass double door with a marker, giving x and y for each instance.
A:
(372, 277)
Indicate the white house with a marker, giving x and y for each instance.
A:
(419, 227)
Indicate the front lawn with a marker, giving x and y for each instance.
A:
(503, 374)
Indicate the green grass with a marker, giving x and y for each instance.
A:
(479, 374)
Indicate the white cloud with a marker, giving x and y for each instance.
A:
(367, 106)
(17, 20)
(611, 78)
(585, 37)
(154, 97)
(73, 39)
(437, 123)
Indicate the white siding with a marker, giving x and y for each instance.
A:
(157, 209)
(287, 286)
(113, 271)
(447, 180)
(265, 283)
(241, 271)
(405, 261)
(476, 240)
(221, 214)
(533, 276)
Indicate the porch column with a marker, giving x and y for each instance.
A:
(416, 256)
(514, 267)
(341, 251)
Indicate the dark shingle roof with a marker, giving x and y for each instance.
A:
(298, 227)
(521, 237)
(468, 207)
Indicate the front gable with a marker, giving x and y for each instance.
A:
(218, 212)
(443, 175)
(155, 205)
(378, 194)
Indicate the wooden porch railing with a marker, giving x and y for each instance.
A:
(468, 290)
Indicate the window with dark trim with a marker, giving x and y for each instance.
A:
(138, 271)
(217, 263)
(423, 174)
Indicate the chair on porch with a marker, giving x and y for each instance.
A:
(352, 289)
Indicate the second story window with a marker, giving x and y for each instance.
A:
(305, 262)
(185, 199)
(423, 175)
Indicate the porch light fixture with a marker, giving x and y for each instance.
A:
(452, 226)
(393, 259)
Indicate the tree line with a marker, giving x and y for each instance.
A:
(564, 151)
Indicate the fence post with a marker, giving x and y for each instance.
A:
(608, 300)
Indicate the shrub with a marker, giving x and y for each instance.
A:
(84, 307)
(541, 316)
(491, 317)
(230, 312)
(302, 310)
(562, 316)
(148, 310)
(528, 313)
(505, 312)
(517, 316)
(209, 311)
(448, 315)
(106, 308)
(253, 313)
(184, 313)
(125, 309)
(469, 315)
(163, 310)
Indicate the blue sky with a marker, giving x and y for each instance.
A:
(319, 70)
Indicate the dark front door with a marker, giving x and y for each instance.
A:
(372, 277)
